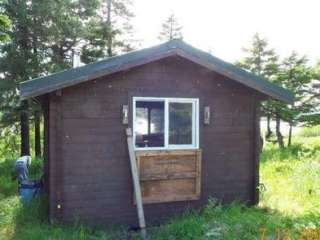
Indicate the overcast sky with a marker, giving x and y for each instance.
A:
(225, 26)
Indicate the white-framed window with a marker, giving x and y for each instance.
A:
(165, 123)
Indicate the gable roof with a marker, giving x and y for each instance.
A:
(70, 77)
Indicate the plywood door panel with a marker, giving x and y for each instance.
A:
(167, 164)
(167, 176)
(169, 190)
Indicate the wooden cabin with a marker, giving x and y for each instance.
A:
(195, 121)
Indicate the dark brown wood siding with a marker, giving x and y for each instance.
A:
(89, 164)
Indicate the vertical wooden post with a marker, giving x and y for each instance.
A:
(256, 149)
(136, 183)
(37, 134)
(45, 150)
(24, 128)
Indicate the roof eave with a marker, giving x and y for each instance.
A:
(121, 67)
(153, 54)
(286, 95)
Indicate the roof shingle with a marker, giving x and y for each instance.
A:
(46, 84)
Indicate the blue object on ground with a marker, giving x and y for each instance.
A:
(28, 190)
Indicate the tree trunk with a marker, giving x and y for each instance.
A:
(269, 132)
(24, 128)
(278, 132)
(171, 29)
(290, 134)
(109, 39)
(37, 136)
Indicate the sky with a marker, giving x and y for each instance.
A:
(224, 27)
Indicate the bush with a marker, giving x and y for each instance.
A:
(8, 184)
(36, 168)
(9, 142)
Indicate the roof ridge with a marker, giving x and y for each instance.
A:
(72, 76)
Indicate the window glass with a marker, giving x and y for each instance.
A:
(149, 124)
(180, 123)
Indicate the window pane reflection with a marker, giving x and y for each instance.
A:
(180, 123)
(149, 124)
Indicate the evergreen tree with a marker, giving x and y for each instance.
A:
(67, 29)
(295, 75)
(261, 60)
(110, 32)
(42, 36)
(171, 29)
(15, 54)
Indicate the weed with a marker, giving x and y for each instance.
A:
(289, 206)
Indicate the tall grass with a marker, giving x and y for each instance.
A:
(20, 221)
(310, 131)
(234, 221)
(289, 206)
(29, 222)
(8, 181)
(291, 177)
(289, 203)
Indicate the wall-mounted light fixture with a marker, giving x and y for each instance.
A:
(206, 118)
(125, 110)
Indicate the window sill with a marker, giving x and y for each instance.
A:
(166, 149)
(165, 152)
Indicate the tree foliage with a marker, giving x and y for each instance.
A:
(42, 36)
(4, 27)
(171, 29)
(295, 75)
(41, 41)
(110, 32)
(292, 73)
(262, 60)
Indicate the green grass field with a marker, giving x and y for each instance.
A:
(289, 205)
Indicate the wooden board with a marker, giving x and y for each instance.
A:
(136, 183)
(168, 176)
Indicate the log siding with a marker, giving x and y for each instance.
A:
(89, 171)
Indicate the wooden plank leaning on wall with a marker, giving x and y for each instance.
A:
(136, 183)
